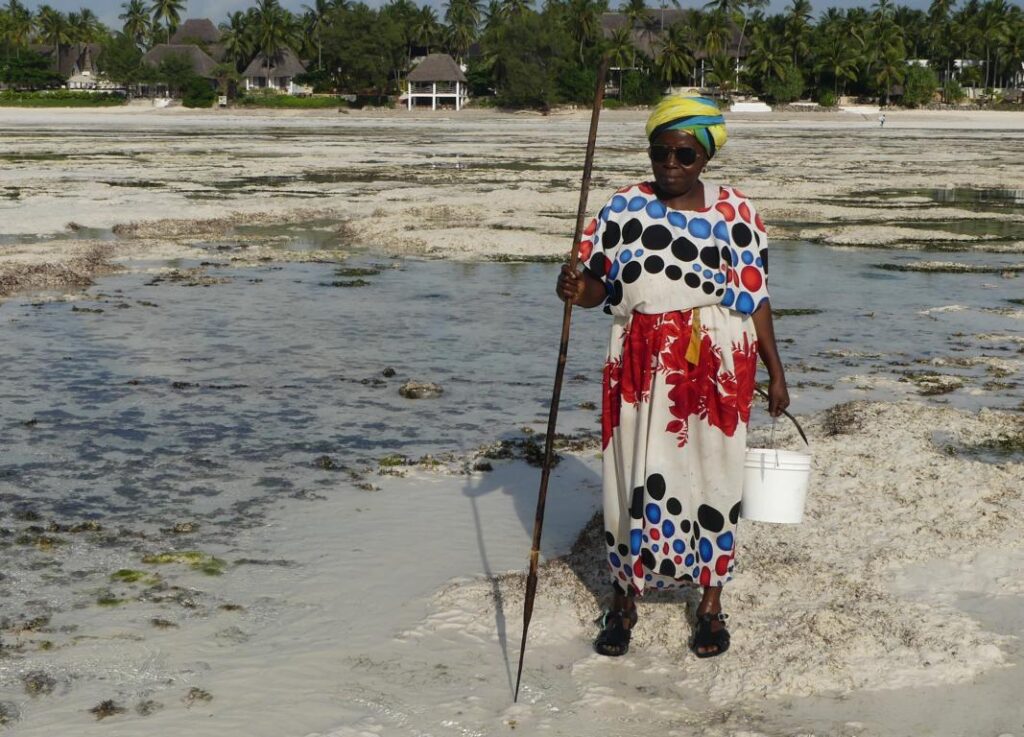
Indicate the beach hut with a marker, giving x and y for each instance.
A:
(438, 79)
(275, 74)
(204, 34)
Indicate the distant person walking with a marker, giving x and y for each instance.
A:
(681, 266)
(881, 120)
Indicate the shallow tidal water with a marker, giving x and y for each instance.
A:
(150, 405)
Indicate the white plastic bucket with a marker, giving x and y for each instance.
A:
(775, 485)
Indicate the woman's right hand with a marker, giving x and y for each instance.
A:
(571, 285)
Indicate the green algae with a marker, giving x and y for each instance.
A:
(194, 559)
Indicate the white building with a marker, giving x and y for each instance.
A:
(437, 80)
(275, 74)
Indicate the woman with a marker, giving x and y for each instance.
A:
(681, 265)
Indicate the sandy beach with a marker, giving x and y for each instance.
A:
(222, 517)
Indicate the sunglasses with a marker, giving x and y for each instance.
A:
(685, 155)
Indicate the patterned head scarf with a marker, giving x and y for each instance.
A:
(697, 115)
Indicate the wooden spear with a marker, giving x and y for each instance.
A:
(563, 350)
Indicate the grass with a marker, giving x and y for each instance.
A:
(59, 98)
(289, 102)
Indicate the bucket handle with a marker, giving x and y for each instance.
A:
(799, 429)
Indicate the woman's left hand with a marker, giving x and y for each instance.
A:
(778, 396)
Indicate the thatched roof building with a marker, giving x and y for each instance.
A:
(201, 62)
(197, 31)
(439, 81)
(437, 68)
(73, 58)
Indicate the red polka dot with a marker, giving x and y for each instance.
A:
(738, 193)
(678, 559)
(751, 278)
(646, 188)
(722, 565)
(745, 211)
(586, 248)
(655, 535)
(664, 549)
(638, 569)
(608, 266)
(622, 575)
(727, 210)
(705, 576)
(624, 189)
(591, 227)
(759, 223)
(723, 193)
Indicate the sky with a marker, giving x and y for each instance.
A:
(217, 10)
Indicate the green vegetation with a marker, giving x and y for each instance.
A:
(196, 560)
(289, 102)
(524, 53)
(59, 98)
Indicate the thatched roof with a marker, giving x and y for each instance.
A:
(71, 55)
(437, 68)
(196, 30)
(662, 19)
(288, 65)
(202, 64)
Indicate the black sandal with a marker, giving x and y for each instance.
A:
(705, 637)
(613, 640)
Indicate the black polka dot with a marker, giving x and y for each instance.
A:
(709, 257)
(597, 265)
(693, 543)
(764, 259)
(656, 237)
(696, 529)
(623, 549)
(727, 255)
(615, 293)
(719, 292)
(612, 235)
(684, 249)
(741, 235)
(692, 280)
(684, 525)
(648, 558)
(686, 577)
(711, 518)
(673, 506)
(656, 486)
(636, 503)
(708, 287)
(654, 264)
(668, 568)
(609, 539)
(631, 231)
(674, 273)
(631, 272)
(734, 513)
(757, 238)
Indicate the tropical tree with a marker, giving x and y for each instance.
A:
(673, 59)
(168, 11)
(314, 21)
(53, 30)
(426, 29)
(797, 29)
(583, 21)
(136, 21)
(274, 30)
(463, 18)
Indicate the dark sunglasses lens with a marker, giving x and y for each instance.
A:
(660, 154)
(686, 156)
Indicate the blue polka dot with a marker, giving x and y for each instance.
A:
(596, 239)
(653, 512)
(706, 551)
(745, 303)
(758, 263)
(646, 540)
(679, 546)
(637, 203)
(625, 256)
(729, 297)
(748, 257)
(634, 542)
(677, 219)
(639, 252)
(614, 272)
(655, 209)
(697, 267)
(708, 273)
(735, 257)
(667, 528)
(699, 228)
(616, 561)
(720, 278)
(618, 203)
(689, 560)
(659, 584)
(722, 231)
(696, 573)
(655, 547)
(604, 213)
(725, 541)
(648, 577)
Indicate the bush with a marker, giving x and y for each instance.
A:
(59, 98)
(787, 89)
(288, 102)
(640, 89)
(827, 98)
(919, 86)
(197, 92)
(577, 84)
(610, 103)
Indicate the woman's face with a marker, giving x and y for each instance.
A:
(673, 177)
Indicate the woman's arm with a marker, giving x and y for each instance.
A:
(580, 288)
(778, 395)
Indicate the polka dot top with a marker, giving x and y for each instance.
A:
(654, 259)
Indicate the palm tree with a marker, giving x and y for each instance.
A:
(621, 51)
(136, 21)
(797, 29)
(236, 38)
(274, 31)
(168, 11)
(463, 19)
(673, 59)
(514, 8)
(839, 56)
(19, 25)
(583, 18)
(993, 30)
(426, 29)
(53, 30)
(316, 20)
(769, 58)
(890, 69)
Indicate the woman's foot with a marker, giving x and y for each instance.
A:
(710, 637)
(616, 626)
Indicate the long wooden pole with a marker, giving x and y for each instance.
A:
(563, 351)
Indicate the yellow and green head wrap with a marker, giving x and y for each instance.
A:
(697, 115)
